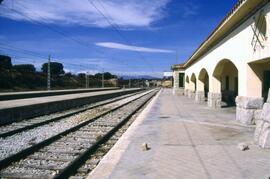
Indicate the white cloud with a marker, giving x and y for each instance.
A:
(131, 48)
(125, 13)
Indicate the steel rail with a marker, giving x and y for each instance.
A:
(15, 131)
(4, 163)
(78, 161)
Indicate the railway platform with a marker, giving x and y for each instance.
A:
(33, 94)
(186, 140)
(19, 109)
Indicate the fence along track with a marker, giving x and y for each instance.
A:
(58, 155)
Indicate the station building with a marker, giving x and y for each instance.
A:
(232, 66)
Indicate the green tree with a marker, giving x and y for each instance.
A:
(25, 68)
(107, 76)
(56, 68)
(5, 62)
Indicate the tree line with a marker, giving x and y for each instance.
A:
(26, 77)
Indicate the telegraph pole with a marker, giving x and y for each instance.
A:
(86, 80)
(49, 74)
(102, 78)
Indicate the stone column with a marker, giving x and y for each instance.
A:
(214, 100)
(199, 96)
(246, 109)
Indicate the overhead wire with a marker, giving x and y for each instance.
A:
(115, 27)
(61, 33)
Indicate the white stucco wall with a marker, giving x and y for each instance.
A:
(237, 48)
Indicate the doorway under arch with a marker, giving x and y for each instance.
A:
(204, 82)
(226, 74)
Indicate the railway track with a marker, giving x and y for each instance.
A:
(17, 142)
(71, 151)
(17, 127)
(94, 158)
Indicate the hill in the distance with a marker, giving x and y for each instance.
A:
(146, 77)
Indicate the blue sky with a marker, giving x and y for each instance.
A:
(125, 37)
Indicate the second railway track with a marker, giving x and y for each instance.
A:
(60, 155)
(17, 127)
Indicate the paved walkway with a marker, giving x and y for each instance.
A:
(187, 141)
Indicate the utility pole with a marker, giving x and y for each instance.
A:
(86, 80)
(49, 74)
(102, 78)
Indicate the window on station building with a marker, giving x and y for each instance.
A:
(181, 80)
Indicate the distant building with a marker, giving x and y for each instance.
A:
(178, 79)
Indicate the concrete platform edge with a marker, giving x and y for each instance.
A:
(111, 159)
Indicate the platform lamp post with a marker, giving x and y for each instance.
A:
(49, 74)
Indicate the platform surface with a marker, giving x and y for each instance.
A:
(187, 140)
(55, 91)
(4, 96)
(47, 99)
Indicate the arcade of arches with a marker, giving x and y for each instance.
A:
(232, 67)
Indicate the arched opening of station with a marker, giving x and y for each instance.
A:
(259, 77)
(193, 82)
(204, 80)
(227, 75)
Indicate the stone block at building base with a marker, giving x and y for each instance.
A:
(249, 102)
(257, 133)
(258, 115)
(266, 112)
(245, 116)
(199, 96)
(248, 109)
(262, 132)
(214, 100)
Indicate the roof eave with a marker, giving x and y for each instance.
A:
(225, 27)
